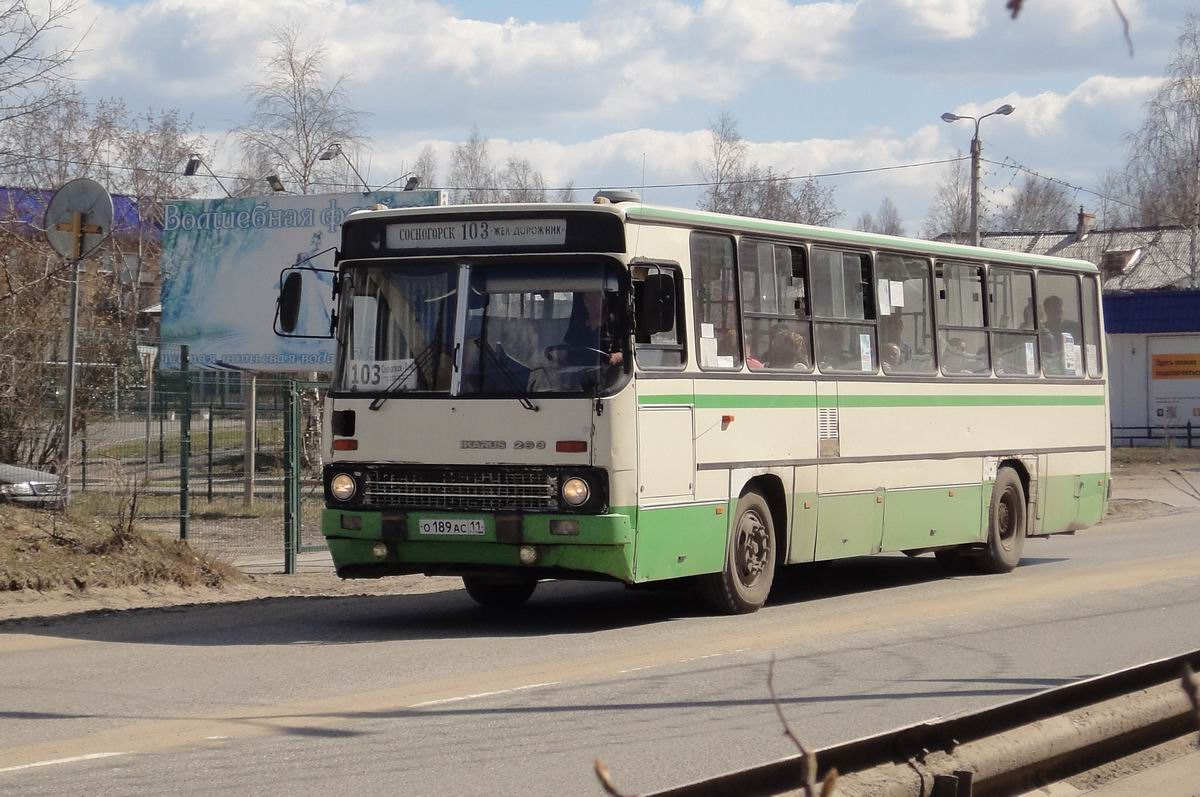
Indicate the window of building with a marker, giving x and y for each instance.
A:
(903, 296)
(1091, 328)
(714, 290)
(1059, 326)
(775, 313)
(845, 312)
(664, 349)
(962, 340)
(1013, 322)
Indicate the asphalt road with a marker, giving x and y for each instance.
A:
(426, 694)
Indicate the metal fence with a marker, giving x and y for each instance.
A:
(226, 459)
(1182, 436)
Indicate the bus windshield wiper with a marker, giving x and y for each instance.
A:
(416, 365)
(522, 393)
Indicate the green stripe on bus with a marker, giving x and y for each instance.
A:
(740, 401)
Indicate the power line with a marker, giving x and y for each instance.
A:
(698, 184)
(1009, 163)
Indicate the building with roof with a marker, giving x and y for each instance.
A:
(1151, 294)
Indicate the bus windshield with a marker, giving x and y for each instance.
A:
(527, 329)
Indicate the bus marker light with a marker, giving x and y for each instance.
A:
(720, 510)
(379, 550)
(564, 528)
(808, 504)
(345, 445)
(571, 446)
(527, 555)
(726, 420)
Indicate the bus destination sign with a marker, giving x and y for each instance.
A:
(477, 233)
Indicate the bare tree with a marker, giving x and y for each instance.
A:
(950, 212)
(520, 182)
(1164, 154)
(473, 177)
(32, 69)
(566, 193)
(887, 222)
(736, 185)
(1039, 205)
(298, 113)
(426, 167)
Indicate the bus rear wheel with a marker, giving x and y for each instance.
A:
(744, 583)
(497, 593)
(1006, 525)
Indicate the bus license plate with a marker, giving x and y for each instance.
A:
(452, 526)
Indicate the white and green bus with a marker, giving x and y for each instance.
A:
(637, 393)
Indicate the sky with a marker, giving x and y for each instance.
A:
(621, 94)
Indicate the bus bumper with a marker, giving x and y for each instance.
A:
(371, 544)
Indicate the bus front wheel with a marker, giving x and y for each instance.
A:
(744, 583)
(1006, 525)
(497, 593)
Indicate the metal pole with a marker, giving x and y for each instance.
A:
(210, 451)
(83, 462)
(290, 479)
(149, 413)
(72, 343)
(251, 388)
(976, 152)
(185, 444)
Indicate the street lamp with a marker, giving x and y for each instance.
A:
(194, 162)
(976, 151)
(332, 152)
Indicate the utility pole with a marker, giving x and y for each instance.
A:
(976, 156)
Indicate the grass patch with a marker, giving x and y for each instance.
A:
(270, 435)
(1158, 455)
(43, 550)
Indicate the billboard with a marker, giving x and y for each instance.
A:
(221, 261)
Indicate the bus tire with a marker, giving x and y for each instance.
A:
(497, 593)
(743, 584)
(1007, 517)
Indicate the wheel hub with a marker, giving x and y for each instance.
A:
(753, 547)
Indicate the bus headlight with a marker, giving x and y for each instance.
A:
(342, 487)
(575, 491)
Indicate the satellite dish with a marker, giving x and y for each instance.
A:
(79, 218)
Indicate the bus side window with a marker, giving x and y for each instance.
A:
(1059, 328)
(664, 349)
(714, 291)
(775, 314)
(962, 339)
(1013, 322)
(844, 311)
(1091, 328)
(905, 314)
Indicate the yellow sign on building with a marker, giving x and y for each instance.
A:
(1175, 366)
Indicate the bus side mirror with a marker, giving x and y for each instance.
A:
(289, 301)
(657, 310)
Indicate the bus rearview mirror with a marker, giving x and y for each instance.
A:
(657, 310)
(289, 301)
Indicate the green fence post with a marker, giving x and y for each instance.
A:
(291, 477)
(210, 451)
(185, 443)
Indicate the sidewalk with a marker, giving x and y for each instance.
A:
(1177, 487)
(1179, 777)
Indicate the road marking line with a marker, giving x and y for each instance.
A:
(55, 761)
(460, 698)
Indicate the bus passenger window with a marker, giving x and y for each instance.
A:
(1091, 328)
(962, 340)
(1013, 322)
(905, 317)
(775, 312)
(714, 290)
(844, 311)
(1060, 330)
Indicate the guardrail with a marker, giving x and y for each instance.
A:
(1006, 749)
(1183, 435)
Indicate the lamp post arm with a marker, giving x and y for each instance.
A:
(350, 163)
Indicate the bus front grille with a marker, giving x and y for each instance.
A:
(470, 490)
